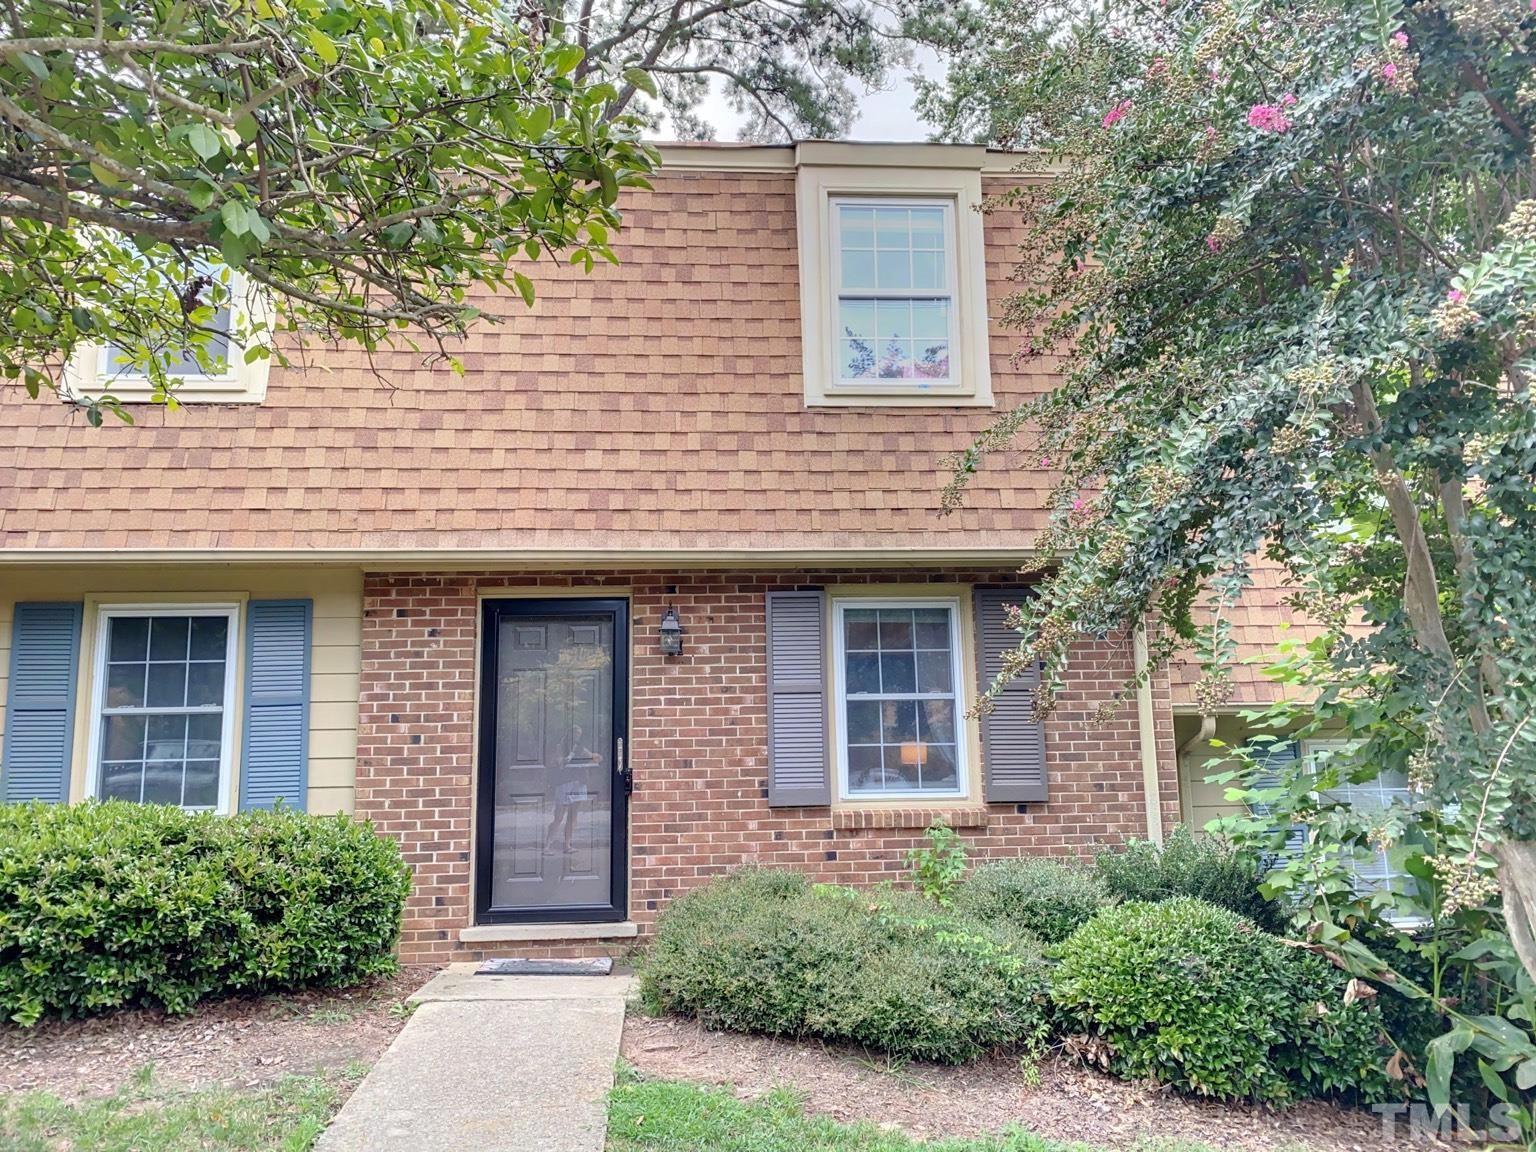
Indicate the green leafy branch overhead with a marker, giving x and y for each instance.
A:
(365, 164)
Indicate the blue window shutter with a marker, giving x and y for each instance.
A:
(274, 744)
(40, 702)
(1276, 758)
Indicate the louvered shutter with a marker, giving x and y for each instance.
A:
(1012, 739)
(798, 772)
(40, 702)
(274, 750)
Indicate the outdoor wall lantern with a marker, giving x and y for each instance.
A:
(671, 633)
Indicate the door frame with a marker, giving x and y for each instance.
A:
(493, 610)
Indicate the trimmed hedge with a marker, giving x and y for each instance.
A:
(1204, 867)
(766, 951)
(115, 904)
(1195, 996)
(1045, 897)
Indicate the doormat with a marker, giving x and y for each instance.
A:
(601, 966)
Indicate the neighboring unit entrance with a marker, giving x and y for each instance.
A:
(553, 778)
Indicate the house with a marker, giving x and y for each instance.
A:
(658, 586)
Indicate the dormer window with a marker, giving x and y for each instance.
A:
(893, 287)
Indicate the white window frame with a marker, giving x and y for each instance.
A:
(104, 614)
(85, 375)
(1310, 750)
(840, 697)
(818, 190)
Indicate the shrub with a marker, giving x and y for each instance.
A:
(1197, 997)
(1204, 867)
(764, 951)
(1045, 897)
(938, 868)
(107, 905)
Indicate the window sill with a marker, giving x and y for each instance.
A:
(898, 400)
(855, 819)
(532, 933)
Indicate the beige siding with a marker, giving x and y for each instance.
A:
(335, 664)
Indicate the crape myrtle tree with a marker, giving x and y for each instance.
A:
(1287, 252)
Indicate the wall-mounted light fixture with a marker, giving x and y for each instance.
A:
(671, 633)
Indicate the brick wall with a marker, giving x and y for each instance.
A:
(697, 748)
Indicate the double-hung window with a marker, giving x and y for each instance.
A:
(897, 680)
(1373, 870)
(895, 272)
(164, 705)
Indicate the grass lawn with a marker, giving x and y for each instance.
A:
(686, 1118)
(285, 1116)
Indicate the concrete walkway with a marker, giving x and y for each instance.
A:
(492, 1064)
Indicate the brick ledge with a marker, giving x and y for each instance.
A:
(526, 933)
(861, 818)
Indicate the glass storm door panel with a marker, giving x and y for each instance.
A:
(552, 786)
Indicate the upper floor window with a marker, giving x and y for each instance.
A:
(896, 301)
(227, 310)
(893, 287)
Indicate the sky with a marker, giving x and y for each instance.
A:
(886, 115)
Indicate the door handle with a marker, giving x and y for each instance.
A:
(623, 769)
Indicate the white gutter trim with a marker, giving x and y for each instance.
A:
(1207, 730)
(385, 559)
(1146, 723)
(715, 157)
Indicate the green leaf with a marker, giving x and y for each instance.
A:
(205, 141)
(247, 126)
(641, 79)
(105, 176)
(236, 217)
(33, 64)
(1442, 1052)
(1525, 1075)
(566, 58)
(324, 46)
(524, 287)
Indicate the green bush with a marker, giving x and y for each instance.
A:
(107, 905)
(1195, 996)
(1045, 897)
(764, 951)
(1204, 867)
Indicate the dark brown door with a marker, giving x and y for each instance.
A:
(553, 785)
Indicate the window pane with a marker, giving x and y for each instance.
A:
(895, 360)
(928, 270)
(930, 319)
(122, 738)
(857, 318)
(201, 789)
(892, 230)
(125, 685)
(863, 722)
(210, 635)
(940, 769)
(931, 361)
(863, 673)
(893, 319)
(121, 781)
(858, 270)
(205, 683)
(858, 359)
(893, 271)
(162, 782)
(897, 672)
(205, 736)
(895, 628)
(856, 226)
(932, 627)
(865, 769)
(934, 672)
(128, 637)
(168, 638)
(860, 629)
(167, 685)
(936, 721)
(898, 721)
(927, 228)
(167, 739)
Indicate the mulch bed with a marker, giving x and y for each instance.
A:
(1067, 1102)
(239, 1042)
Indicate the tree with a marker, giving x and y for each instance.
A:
(1288, 252)
(365, 163)
(791, 66)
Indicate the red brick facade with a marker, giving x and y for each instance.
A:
(697, 748)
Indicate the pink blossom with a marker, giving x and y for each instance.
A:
(1045, 461)
(1388, 71)
(1117, 113)
(1268, 118)
(1288, 99)
(1400, 38)
(1077, 505)
(1456, 295)
(1214, 242)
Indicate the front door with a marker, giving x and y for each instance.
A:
(553, 782)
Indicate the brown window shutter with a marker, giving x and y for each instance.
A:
(798, 773)
(1012, 740)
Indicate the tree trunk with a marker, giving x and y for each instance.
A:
(1517, 876)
